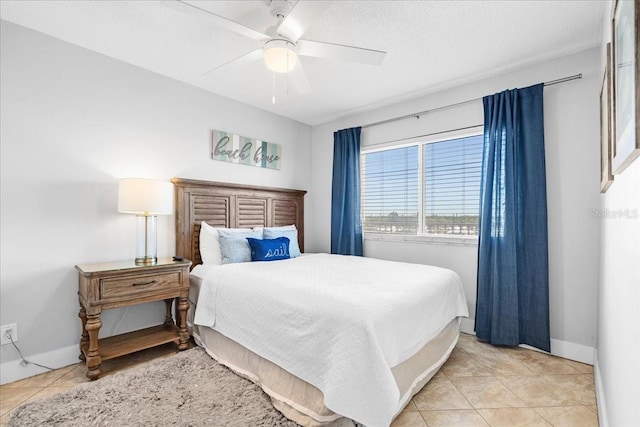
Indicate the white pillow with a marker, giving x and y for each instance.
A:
(234, 246)
(210, 243)
(288, 231)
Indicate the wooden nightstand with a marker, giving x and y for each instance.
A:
(120, 284)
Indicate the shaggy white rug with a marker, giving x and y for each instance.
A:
(188, 389)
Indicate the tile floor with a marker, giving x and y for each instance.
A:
(480, 385)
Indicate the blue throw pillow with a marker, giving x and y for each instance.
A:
(234, 246)
(269, 249)
(289, 231)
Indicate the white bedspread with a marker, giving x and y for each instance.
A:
(337, 322)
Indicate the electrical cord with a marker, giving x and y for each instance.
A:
(25, 362)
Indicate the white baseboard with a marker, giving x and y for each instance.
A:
(568, 350)
(467, 326)
(602, 404)
(565, 349)
(572, 351)
(14, 370)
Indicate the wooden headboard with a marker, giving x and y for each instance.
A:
(227, 205)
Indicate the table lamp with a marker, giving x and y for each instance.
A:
(146, 198)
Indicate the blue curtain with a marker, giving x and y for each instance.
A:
(346, 227)
(512, 304)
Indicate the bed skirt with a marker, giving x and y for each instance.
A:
(303, 402)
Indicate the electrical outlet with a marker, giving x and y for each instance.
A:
(9, 330)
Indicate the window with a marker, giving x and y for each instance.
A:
(428, 188)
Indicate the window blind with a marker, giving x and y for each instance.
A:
(451, 185)
(390, 191)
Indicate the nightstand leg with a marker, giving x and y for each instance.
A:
(168, 318)
(84, 340)
(93, 355)
(183, 305)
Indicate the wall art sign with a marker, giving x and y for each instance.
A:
(233, 148)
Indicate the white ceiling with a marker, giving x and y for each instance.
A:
(430, 45)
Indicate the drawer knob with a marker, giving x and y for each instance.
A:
(145, 283)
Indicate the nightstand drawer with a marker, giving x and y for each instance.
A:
(134, 285)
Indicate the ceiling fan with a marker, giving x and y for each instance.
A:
(282, 45)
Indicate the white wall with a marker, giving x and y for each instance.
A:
(572, 158)
(617, 368)
(73, 123)
(619, 302)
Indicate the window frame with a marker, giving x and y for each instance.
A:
(445, 239)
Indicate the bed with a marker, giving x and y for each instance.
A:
(322, 363)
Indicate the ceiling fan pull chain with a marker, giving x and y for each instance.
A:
(273, 87)
(287, 75)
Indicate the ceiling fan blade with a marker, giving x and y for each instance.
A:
(241, 60)
(218, 20)
(301, 17)
(299, 79)
(341, 52)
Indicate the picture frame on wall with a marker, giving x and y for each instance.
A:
(626, 82)
(606, 140)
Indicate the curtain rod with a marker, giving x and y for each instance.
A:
(417, 115)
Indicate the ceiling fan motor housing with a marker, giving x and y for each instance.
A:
(280, 8)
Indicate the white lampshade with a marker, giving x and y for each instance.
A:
(280, 56)
(145, 196)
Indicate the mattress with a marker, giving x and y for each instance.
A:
(298, 399)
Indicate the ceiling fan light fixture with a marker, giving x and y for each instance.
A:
(280, 55)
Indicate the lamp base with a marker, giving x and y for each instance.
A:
(146, 261)
(146, 248)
